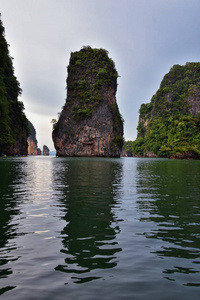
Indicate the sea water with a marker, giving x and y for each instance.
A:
(99, 228)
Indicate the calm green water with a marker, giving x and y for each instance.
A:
(99, 228)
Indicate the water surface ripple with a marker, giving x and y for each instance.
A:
(89, 228)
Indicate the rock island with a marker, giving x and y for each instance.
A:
(169, 126)
(90, 123)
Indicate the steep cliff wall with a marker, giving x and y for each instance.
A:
(13, 122)
(90, 123)
(32, 141)
(169, 126)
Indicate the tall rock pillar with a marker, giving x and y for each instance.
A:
(90, 123)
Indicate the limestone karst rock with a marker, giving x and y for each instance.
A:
(169, 126)
(45, 150)
(32, 141)
(90, 123)
(39, 152)
(13, 122)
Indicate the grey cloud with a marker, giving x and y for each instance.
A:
(144, 38)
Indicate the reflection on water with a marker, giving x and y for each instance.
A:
(88, 195)
(27, 223)
(169, 199)
(8, 210)
(57, 224)
(99, 229)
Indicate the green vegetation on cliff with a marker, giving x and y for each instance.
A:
(90, 123)
(92, 69)
(13, 122)
(169, 126)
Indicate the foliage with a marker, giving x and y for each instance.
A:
(81, 113)
(91, 72)
(119, 141)
(13, 122)
(145, 109)
(54, 123)
(128, 146)
(117, 117)
(171, 128)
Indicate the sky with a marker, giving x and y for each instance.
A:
(145, 38)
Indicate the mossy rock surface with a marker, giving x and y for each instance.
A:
(13, 122)
(169, 126)
(90, 122)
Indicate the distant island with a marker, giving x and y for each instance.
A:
(90, 123)
(169, 126)
(45, 150)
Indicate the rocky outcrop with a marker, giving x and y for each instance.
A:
(39, 152)
(13, 122)
(193, 100)
(127, 154)
(186, 155)
(45, 150)
(90, 123)
(32, 141)
(169, 126)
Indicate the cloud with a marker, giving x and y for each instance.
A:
(145, 38)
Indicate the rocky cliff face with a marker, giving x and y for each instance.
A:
(45, 150)
(39, 152)
(13, 122)
(32, 141)
(169, 126)
(90, 123)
